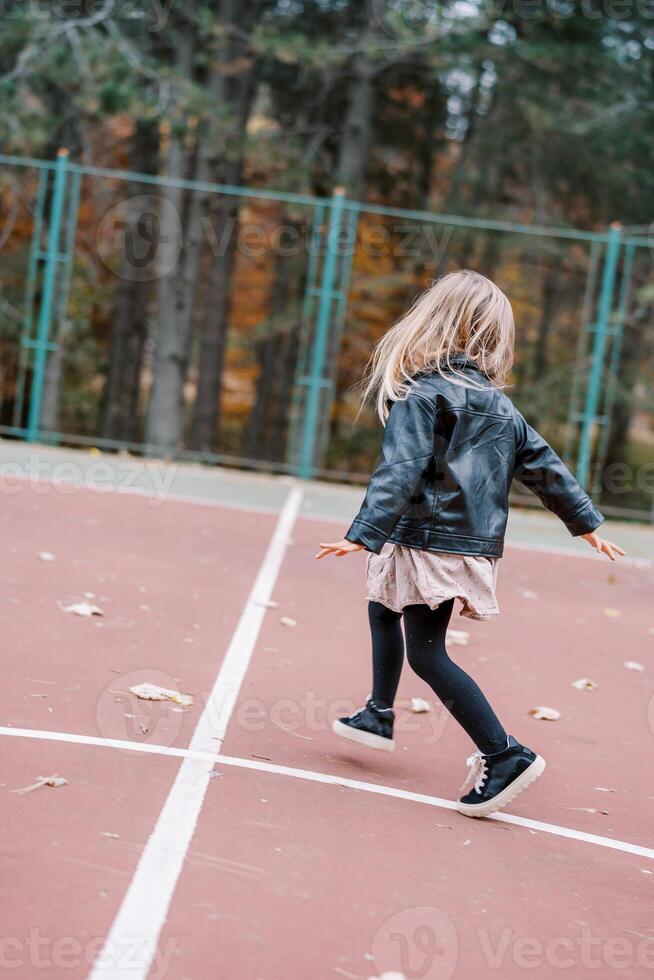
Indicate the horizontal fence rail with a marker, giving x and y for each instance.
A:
(297, 321)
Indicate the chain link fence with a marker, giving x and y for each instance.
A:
(232, 324)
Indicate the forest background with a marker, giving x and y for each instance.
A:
(186, 316)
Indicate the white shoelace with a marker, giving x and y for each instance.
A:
(477, 772)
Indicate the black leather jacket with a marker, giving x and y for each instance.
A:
(448, 457)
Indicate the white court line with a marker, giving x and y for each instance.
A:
(145, 906)
(329, 779)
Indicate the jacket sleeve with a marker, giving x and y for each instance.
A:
(543, 472)
(396, 483)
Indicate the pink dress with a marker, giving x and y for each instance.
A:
(401, 576)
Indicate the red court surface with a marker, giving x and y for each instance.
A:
(263, 848)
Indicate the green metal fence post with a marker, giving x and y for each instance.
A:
(316, 379)
(612, 382)
(47, 296)
(599, 347)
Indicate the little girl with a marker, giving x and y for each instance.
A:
(435, 513)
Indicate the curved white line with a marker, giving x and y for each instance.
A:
(332, 780)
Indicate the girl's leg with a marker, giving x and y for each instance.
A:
(387, 652)
(425, 630)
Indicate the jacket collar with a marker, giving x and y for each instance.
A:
(462, 362)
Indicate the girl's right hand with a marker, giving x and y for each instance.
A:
(602, 546)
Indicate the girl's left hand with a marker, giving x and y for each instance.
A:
(602, 546)
(339, 548)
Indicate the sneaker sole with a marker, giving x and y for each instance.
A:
(525, 779)
(368, 739)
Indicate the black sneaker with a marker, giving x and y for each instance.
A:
(498, 778)
(372, 726)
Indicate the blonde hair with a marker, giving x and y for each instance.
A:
(464, 314)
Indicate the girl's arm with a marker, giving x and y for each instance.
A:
(544, 473)
(394, 487)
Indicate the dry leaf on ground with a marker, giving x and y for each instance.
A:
(418, 705)
(612, 613)
(587, 809)
(633, 665)
(287, 621)
(542, 713)
(54, 781)
(584, 684)
(46, 556)
(152, 692)
(86, 609)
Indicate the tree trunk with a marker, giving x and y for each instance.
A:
(264, 416)
(174, 292)
(204, 428)
(50, 408)
(634, 344)
(129, 324)
(355, 138)
(232, 84)
(548, 304)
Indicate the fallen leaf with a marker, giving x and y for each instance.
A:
(586, 809)
(270, 604)
(543, 713)
(612, 613)
(418, 705)
(584, 684)
(55, 781)
(287, 621)
(633, 665)
(46, 556)
(105, 833)
(393, 975)
(457, 638)
(83, 609)
(604, 789)
(152, 692)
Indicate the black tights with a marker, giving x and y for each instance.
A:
(425, 630)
